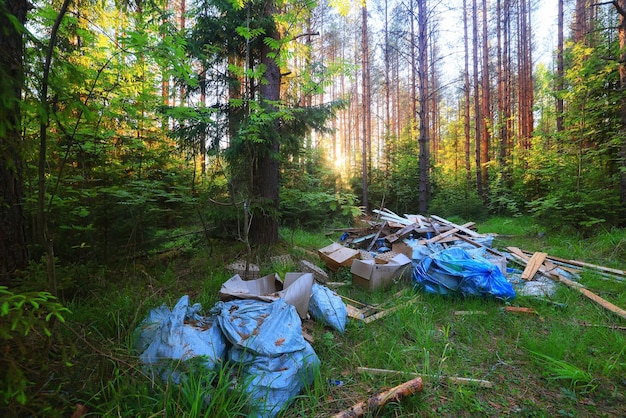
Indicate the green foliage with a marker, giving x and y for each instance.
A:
(21, 315)
(456, 199)
(313, 210)
(583, 210)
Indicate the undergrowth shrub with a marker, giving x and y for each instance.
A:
(452, 201)
(582, 211)
(25, 320)
(315, 209)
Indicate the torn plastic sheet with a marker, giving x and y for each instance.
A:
(326, 306)
(454, 271)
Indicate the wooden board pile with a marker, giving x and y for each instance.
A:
(391, 229)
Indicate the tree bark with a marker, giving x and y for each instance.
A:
(560, 73)
(620, 5)
(365, 105)
(264, 228)
(424, 140)
(13, 250)
(486, 105)
(477, 106)
(467, 87)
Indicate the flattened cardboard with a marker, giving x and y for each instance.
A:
(369, 275)
(336, 255)
(296, 289)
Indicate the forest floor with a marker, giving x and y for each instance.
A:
(568, 358)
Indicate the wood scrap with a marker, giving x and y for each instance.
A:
(375, 402)
(586, 324)
(575, 266)
(470, 313)
(383, 226)
(592, 266)
(449, 379)
(516, 252)
(520, 309)
(462, 228)
(379, 315)
(533, 265)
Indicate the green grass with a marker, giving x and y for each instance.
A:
(542, 365)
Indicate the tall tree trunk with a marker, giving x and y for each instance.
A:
(478, 122)
(13, 250)
(560, 73)
(500, 76)
(388, 128)
(486, 105)
(264, 227)
(365, 104)
(620, 5)
(424, 141)
(525, 97)
(413, 65)
(467, 87)
(47, 242)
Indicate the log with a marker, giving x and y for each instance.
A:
(375, 402)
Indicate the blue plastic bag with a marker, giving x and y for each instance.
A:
(180, 334)
(272, 383)
(326, 306)
(454, 271)
(276, 361)
(268, 329)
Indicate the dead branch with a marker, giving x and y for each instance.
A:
(375, 402)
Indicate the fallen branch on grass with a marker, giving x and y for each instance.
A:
(449, 379)
(375, 402)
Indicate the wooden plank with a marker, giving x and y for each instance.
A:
(401, 232)
(569, 283)
(379, 315)
(533, 265)
(383, 226)
(354, 312)
(462, 228)
(450, 379)
(519, 309)
(578, 263)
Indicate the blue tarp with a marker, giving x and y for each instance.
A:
(454, 271)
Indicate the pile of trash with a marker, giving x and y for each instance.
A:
(256, 326)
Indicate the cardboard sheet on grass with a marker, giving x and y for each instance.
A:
(295, 290)
(368, 274)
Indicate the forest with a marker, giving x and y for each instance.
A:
(128, 127)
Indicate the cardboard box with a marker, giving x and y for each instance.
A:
(336, 256)
(296, 289)
(369, 275)
(402, 248)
